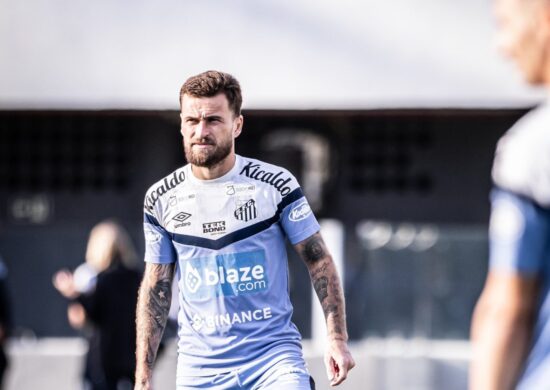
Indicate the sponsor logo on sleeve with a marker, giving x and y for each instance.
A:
(151, 235)
(300, 212)
(246, 211)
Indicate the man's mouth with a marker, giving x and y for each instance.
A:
(202, 144)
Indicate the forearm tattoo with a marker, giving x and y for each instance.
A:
(326, 284)
(152, 313)
(321, 288)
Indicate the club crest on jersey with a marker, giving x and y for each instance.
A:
(246, 211)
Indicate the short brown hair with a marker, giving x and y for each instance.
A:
(212, 82)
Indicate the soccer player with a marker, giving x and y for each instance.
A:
(220, 224)
(511, 323)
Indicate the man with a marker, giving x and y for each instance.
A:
(511, 323)
(220, 223)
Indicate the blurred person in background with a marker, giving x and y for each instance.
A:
(108, 303)
(84, 280)
(221, 222)
(5, 319)
(511, 322)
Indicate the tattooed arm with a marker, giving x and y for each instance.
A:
(323, 274)
(151, 316)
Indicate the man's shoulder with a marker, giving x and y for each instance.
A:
(164, 186)
(273, 176)
(522, 157)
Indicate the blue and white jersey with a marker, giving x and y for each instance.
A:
(520, 225)
(227, 238)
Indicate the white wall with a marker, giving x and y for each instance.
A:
(390, 364)
(287, 53)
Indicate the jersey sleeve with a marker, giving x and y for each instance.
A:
(518, 234)
(522, 158)
(297, 218)
(158, 244)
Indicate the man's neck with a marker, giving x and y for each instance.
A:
(213, 172)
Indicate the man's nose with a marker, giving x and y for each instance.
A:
(201, 129)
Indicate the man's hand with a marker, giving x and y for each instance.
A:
(338, 361)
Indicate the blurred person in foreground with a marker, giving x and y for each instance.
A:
(108, 303)
(220, 223)
(511, 323)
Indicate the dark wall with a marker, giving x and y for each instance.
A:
(81, 167)
(62, 172)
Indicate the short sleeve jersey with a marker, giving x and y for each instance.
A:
(227, 238)
(520, 225)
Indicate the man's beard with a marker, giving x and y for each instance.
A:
(207, 159)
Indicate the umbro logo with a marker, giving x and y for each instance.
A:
(181, 218)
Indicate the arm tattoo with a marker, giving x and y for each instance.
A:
(159, 304)
(320, 286)
(326, 284)
(158, 307)
(152, 312)
(314, 249)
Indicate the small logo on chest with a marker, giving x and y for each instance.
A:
(247, 211)
(214, 228)
(181, 218)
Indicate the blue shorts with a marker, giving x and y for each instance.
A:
(283, 375)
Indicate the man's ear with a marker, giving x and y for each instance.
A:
(238, 126)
